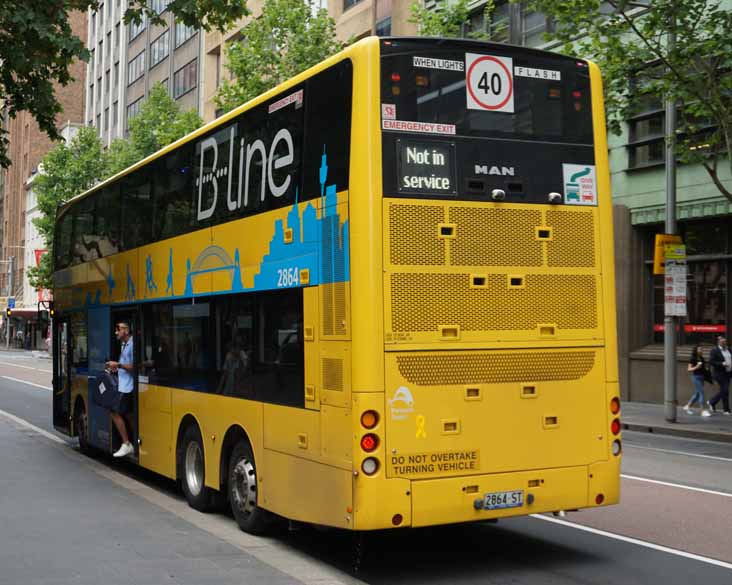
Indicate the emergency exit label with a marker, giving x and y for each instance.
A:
(489, 81)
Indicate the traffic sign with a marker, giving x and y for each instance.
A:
(489, 81)
(11, 302)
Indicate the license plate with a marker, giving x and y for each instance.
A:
(501, 500)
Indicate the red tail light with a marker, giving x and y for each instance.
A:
(615, 426)
(369, 442)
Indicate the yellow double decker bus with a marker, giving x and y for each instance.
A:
(379, 295)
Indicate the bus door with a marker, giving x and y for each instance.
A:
(61, 376)
(99, 352)
(127, 315)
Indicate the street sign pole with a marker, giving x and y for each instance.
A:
(669, 321)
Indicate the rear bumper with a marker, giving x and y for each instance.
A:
(450, 500)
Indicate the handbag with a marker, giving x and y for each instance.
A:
(105, 392)
(707, 375)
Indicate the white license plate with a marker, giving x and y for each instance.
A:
(501, 500)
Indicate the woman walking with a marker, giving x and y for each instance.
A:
(697, 368)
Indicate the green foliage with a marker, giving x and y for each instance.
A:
(284, 41)
(37, 46)
(70, 170)
(40, 276)
(158, 123)
(450, 19)
(629, 42)
(67, 171)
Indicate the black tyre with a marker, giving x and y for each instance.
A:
(81, 424)
(192, 471)
(242, 488)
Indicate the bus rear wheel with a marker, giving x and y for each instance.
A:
(192, 472)
(242, 488)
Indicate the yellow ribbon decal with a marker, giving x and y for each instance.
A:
(421, 433)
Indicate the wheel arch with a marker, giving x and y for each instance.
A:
(234, 434)
(187, 421)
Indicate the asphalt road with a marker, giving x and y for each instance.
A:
(672, 525)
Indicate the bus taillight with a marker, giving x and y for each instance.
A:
(615, 426)
(369, 419)
(615, 405)
(370, 465)
(369, 442)
(617, 447)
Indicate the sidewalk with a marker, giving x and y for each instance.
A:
(650, 418)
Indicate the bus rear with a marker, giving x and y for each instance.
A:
(501, 394)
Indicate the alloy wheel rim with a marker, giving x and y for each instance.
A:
(244, 486)
(194, 468)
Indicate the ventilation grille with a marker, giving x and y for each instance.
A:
(495, 237)
(422, 302)
(574, 239)
(494, 368)
(334, 309)
(333, 374)
(413, 235)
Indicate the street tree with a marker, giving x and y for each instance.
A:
(286, 39)
(37, 47)
(67, 170)
(158, 123)
(449, 18)
(628, 39)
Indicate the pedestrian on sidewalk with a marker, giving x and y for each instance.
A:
(698, 372)
(721, 361)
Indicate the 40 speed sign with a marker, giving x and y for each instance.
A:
(489, 81)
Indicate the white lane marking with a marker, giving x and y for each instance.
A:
(631, 446)
(32, 427)
(676, 485)
(24, 367)
(26, 382)
(644, 543)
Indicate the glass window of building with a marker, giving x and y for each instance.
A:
(645, 126)
(708, 306)
(183, 33)
(136, 68)
(348, 3)
(135, 29)
(185, 79)
(533, 27)
(159, 49)
(159, 6)
(133, 109)
(383, 27)
(115, 112)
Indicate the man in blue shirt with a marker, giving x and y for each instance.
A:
(125, 369)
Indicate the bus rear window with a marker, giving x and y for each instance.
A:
(486, 91)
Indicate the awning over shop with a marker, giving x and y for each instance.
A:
(696, 209)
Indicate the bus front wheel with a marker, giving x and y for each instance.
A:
(243, 490)
(192, 474)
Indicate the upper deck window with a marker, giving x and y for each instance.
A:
(549, 95)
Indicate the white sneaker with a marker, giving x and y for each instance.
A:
(688, 410)
(125, 450)
(706, 413)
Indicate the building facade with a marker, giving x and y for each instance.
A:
(127, 60)
(28, 145)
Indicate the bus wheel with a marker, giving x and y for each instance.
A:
(193, 472)
(243, 490)
(81, 422)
